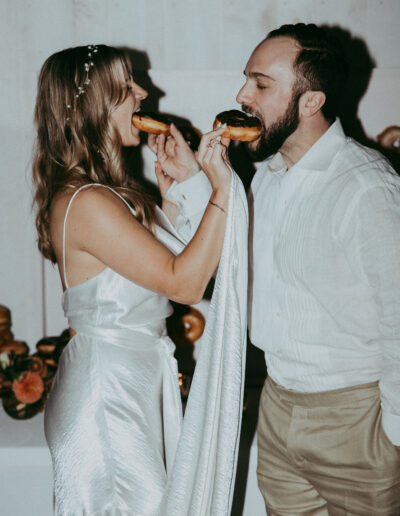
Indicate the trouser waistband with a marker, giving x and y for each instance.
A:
(326, 398)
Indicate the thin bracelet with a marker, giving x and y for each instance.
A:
(217, 206)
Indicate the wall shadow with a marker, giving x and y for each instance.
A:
(141, 65)
(360, 64)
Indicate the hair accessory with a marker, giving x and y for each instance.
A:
(81, 89)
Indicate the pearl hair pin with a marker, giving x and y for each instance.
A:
(92, 49)
(81, 89)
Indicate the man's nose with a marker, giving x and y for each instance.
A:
(243, 96)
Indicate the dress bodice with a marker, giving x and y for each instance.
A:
(110, 301)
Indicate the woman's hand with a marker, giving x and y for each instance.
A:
(174, 155)
(213, 158)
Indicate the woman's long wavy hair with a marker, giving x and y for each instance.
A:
(77, 143)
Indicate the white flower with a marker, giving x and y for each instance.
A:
(4, 359)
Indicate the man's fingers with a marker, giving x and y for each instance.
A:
(177, 135)
(170, 146)
(152, 142)
(161, 155)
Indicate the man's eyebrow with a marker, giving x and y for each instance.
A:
(256, 75)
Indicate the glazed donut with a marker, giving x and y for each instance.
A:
(240, 126)
(390, 138)
(17, 346)
(193, 323)
(46, 348)
(151, 122)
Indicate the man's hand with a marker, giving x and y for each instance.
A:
(174, 155)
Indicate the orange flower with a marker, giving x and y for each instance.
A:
(28, 388)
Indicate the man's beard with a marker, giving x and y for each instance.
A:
(274, 137)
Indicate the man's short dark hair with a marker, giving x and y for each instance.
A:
(320, 65)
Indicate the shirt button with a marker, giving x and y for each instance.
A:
(278, 314)
(278, 276)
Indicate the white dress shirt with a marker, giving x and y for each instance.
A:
(324, 289)
(324, 296)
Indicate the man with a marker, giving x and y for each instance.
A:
(324, 288)
(324, 296)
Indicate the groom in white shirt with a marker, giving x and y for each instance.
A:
(324, 299)
(324, 294)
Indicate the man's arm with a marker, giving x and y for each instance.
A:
(191, 198)
(185, 190)
(374, 240)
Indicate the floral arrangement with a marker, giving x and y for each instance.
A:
(25, 380)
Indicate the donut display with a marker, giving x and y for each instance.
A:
(240, 126)
(390, 138)
(153, 123)
(193, 323)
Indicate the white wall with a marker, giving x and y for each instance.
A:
(197, 50)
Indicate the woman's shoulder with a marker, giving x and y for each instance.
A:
(87, 198)
(87, 208)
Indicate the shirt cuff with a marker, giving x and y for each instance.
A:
(391, 426)
(191, 195)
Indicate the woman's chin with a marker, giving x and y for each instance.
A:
(132, 141)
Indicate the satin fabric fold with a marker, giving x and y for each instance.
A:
(203, 477)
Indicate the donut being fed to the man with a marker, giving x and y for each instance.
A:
(240, 126)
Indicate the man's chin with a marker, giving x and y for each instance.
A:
(256, 150)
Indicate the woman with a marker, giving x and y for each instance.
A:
(113, 415)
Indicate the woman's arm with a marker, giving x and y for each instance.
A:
(101, 227)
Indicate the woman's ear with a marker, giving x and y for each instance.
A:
(311, 102)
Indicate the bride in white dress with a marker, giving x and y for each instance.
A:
(113, 417)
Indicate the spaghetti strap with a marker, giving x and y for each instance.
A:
(66, 215)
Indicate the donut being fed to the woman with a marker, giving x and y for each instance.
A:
(240, 126)
(153, 123)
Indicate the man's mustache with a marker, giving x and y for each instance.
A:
(253, 113)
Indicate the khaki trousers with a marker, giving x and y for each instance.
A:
(326, 453)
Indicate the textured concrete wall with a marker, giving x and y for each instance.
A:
(194, 52)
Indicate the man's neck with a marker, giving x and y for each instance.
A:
(298, 143)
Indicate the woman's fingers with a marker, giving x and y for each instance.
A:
(208, 140)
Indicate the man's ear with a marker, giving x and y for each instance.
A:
(311, 102)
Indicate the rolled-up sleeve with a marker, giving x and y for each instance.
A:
(191, 197)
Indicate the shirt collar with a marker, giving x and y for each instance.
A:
(320, 155)
(277, 163)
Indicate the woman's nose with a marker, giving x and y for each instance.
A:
(140, 93)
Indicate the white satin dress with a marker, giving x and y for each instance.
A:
(113, 416)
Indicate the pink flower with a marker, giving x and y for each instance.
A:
(28, 388)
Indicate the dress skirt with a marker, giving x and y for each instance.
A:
(111, 422)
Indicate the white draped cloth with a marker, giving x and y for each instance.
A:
(201, 482)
